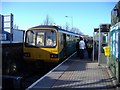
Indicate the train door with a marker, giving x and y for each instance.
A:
(64, 45)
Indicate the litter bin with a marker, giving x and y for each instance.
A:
(107, 50)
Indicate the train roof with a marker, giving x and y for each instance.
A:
(46, 26)
(57, 28)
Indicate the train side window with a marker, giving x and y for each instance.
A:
(68, 37)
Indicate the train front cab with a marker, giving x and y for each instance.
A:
(48, 44)
(41, 45)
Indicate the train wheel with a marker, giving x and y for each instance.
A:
(11, 68)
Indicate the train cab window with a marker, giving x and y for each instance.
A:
(50, 38)
(40, 39)
(30, 40)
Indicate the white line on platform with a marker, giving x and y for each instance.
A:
(48, 73)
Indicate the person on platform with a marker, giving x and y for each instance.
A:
(90, 48)
(81, 47)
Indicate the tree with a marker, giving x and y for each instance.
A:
(74, 29)
(81, 33)
(15, 26)
(77, 30)
(47, 20)
(67, 26)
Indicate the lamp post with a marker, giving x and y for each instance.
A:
(71, 20)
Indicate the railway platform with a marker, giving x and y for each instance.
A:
(75, 73)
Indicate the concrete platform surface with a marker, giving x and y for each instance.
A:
(76, 73)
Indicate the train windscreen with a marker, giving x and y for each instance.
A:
(40, 38)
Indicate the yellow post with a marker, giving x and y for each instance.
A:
(107, 50)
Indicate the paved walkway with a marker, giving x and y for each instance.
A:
(76, 73)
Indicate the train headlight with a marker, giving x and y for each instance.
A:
(53, 55)
(26, 54)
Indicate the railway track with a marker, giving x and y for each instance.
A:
(24, 79)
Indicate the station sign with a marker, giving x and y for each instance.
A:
(8, 23)
(105, 27)
(6, 27)
(1, 23)
(96, 29)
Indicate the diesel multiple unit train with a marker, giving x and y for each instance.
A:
(42, 45)
(43, 48)
(48, 44)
